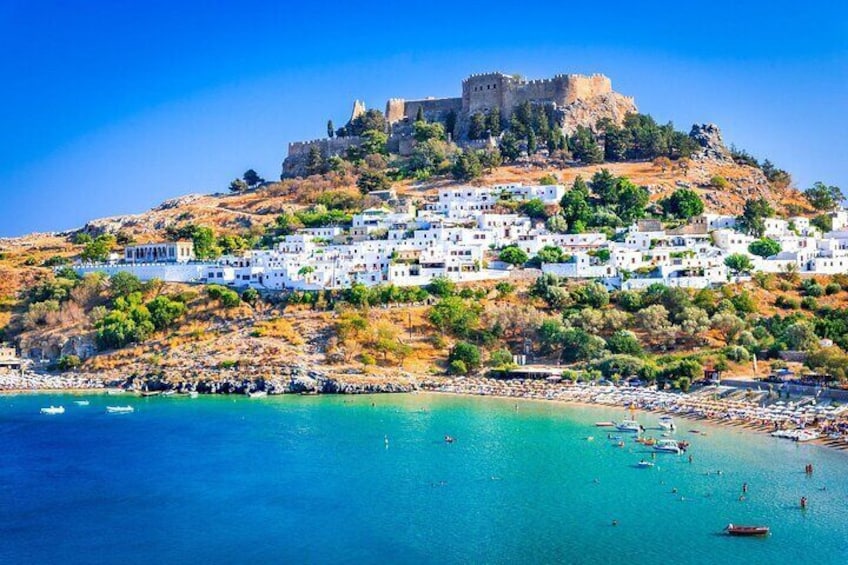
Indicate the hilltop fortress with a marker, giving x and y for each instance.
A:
(575, 100)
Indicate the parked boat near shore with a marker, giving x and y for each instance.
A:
(747, 531)
(667, 446)
(631, 426)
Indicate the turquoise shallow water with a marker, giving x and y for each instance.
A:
(311, 479)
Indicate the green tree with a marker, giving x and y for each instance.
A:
(374, 141)
(801, 336)
(584, 147)
(513, 255)
(98, 250)
(557, 224)
(315, 163)
(238, 185)
(331, 130)
(467, 166)
(764, 247)
(510, 148)
(823, 197)
(466, 352)
(164, 311)
(625, 342)
(534, 208)
(370, 181)
(419, 116)
(252, 178)
(124, 283)
(739, 263)
(575, 205)
(605, 186)
(551, 254)
(683, 203)
(579, 345)
(205, 243)
(424, 131)
(631, 200)
(451, 314)
(477, 126)
(824, 222)
(493, 122)
(441, 286)
(754, 214)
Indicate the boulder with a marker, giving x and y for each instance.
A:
(708, 136)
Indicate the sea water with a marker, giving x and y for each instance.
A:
(365, 479)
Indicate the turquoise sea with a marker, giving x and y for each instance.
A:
(370, 479)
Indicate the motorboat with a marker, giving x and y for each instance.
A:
(667, 446)
(113, 391)
(734, 530)
(119, 409)
(257, 394)
(666, 423)
(171, 392)
(645, 464)
(797, 435)
(605, 424)
(53, 410)
(631, 426)
(81, 402)
(193, 394)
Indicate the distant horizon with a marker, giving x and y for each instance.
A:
(115, 109)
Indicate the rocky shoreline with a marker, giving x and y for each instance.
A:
(297, 380)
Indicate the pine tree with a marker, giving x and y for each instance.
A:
(330, 129)
(419, 116)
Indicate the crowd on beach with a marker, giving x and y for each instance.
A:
(802, 420)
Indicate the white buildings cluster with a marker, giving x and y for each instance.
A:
(458, 236)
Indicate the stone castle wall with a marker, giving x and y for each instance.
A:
(329, 146)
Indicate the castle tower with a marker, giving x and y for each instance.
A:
(358, 109)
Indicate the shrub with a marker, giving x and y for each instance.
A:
(786, 303)
(809, 303)
(467, 353)
(737, 353)
(457, 367)
(719, 182)
(832, 288)
(68, 362)
(500, 358)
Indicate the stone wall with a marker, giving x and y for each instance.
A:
(294, 164)
(435, 109)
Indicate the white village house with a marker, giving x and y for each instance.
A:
(459, 233)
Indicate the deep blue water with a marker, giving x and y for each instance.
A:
(311, 479)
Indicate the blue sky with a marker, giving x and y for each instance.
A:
(108, 108)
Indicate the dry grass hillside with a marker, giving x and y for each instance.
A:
(253, 338)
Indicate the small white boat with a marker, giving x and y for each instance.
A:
(257, 394)
(113, 391)
(119, 409)
(193, 394)
(81, 402)
(53, 410)
(628, 426)
(645, 464)
(666, 423)
(667, 446)
(169, 393)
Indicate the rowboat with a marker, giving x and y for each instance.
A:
(119, 409)
(747, 530)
